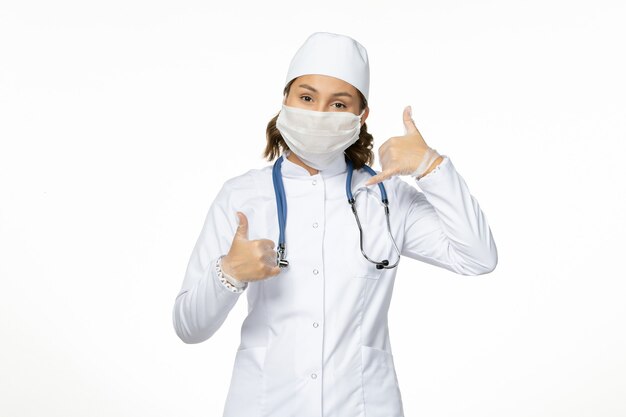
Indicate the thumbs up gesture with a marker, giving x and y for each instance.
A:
(405, 155)
(249, 260)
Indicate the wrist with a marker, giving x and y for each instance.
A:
(426, 163)
(226, 272)
(224, 261)
(431, 167)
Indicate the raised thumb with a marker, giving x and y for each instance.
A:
(409, 125)
(242, 229)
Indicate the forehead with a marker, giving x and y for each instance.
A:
(324, 83)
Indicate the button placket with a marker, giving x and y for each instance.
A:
(316, 240)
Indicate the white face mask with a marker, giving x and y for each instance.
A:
(318, 137)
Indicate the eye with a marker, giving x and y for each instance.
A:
(303, 97)
(341, 104)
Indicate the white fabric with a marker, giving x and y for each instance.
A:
(332, 54)
(318, 137)
(315, 341)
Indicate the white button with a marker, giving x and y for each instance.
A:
(315, 271)
(315, 224)
(313, 376)
(314, 182)
(315, 324)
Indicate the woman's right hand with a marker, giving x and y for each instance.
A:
(249, 260)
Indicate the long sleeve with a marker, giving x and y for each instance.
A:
(445, 225)
(203, 302)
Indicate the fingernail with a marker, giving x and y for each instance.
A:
(410, 112)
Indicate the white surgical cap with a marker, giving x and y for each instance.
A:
(332, 54)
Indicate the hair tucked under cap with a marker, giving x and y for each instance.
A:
(335, 55)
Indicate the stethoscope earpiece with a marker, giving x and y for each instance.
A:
(280, 256)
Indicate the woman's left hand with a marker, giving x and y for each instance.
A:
(403, 155)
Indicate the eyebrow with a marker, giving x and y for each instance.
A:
(343, 93)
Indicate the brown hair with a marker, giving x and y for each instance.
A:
(360, 152)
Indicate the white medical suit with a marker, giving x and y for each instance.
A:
(315, 341)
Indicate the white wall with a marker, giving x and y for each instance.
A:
(120, 120)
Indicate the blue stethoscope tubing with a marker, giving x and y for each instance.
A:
(281, 205)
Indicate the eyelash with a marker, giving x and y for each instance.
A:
(344, 106)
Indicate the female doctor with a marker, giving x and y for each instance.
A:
(315, 240)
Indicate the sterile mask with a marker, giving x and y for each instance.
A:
(318, 137)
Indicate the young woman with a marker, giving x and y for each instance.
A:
(315, 240)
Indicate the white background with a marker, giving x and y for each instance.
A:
(120, 120)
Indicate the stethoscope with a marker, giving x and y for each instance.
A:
(281, 204)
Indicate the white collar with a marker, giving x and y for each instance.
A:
(291, 169)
